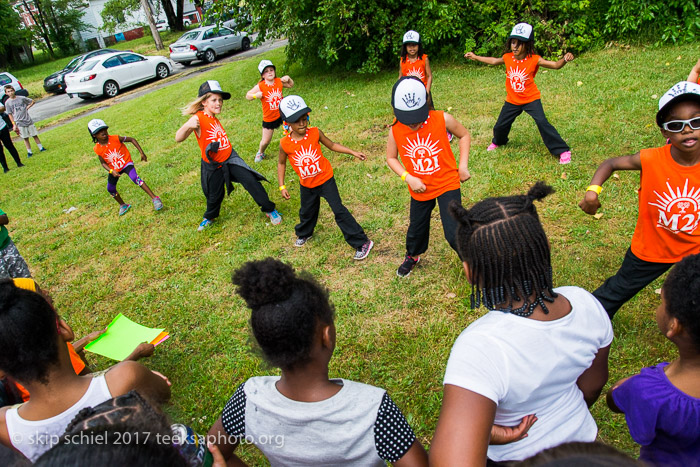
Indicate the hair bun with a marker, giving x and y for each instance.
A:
(265, 281)
(540, 190)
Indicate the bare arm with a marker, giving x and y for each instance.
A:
(128, 375)
(414, 457)
(486, 60)
(694, 73)
(227, 445)
(592, 380)
(465, 415)
(185, 130)
(31, 103)
(558, 64)
(254, 93)
(104, 164)
(457, 129)
(400, 74)
(428, 75)
(281, 170)
(129, 139)
(337, 147)
(590, 203)
(287, 82)
(392, 160)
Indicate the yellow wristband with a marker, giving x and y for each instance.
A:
(110, 171)
(255, 96)
(403, 176)
(283, 187)
(596, 188)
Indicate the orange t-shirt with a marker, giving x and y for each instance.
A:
(210, 130)
(307, 159)
(669, 208)
(416, 69)
(427, 154)
(115, 154)
(520, 79)
(272, 95)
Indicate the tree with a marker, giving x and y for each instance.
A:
(55, 23)
(12, 34)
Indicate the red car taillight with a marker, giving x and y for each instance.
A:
(88, 78)
(20, 85)
(193, 48)
(170, 49)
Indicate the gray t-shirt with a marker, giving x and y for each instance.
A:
(17, 107)
(360, 425)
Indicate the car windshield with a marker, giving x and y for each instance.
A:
(73, 63)
(189, 36)
(4, 79)
(86, 66)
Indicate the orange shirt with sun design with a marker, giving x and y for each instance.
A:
(272, 95)
(114, 153)
(426, 154)
(416, 69)
(520, 79)
(210, 130)
(669, 208)
(307, 159)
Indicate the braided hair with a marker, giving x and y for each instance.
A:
(682, 295)
(286, 310)
(504, 244)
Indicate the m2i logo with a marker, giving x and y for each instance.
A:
(308, 161)
(679, 210)
(423, 154)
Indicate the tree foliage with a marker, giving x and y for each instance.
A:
(11, 31)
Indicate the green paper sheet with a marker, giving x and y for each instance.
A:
(121, 338)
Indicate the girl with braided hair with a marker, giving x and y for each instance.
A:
(538, 359)
(304, 417)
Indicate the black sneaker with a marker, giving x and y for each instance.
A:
(407, 266)
(364, 250)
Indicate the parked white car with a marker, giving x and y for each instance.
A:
(206, 43)
(7, 78)
(109, 73)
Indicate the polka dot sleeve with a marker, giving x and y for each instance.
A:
(393, 436)
(233, 416)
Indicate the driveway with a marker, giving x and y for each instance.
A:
(57, 104)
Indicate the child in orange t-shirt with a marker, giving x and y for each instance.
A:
(116, 159)
(316, 181)
(694, 76)
(414, 62)
(669, 198)
(269, 91)
(522, 94)
(429, 168)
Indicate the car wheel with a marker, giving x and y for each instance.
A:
(245, 44)
(111, 89)
(209, 56)
(162, 71)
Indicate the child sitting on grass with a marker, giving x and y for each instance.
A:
(662, 402)
(304, 417)
(35, 354)
(669, 208)
(116, 159)
(11, 262)
(316, 179)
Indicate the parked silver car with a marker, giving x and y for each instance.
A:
(206, 43)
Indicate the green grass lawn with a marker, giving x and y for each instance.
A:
(394, 333)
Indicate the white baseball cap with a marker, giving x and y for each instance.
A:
(411, 37)
(521, 31)
(264, 64)
(214, 87)
(292, 107)
(96, 125)
(685, 90)
(409, 100)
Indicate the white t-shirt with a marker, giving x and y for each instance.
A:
(530, 367)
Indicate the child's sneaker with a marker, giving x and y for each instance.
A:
(301, 241)
(364, 250)
(275, 217)
(491, 147)
(157, 204)
(30, 154)
(42, 149)
(124, 208)
(565, 157)
(449, 136)
(407, 266)
(204, 224)
(259, 156)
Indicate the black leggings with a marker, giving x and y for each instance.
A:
(6, 140)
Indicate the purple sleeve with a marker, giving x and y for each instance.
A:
(640, 407)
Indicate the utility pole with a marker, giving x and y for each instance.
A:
(149, 17)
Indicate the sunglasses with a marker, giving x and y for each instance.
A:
(676, 126)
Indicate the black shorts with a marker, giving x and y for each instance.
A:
(272, 125)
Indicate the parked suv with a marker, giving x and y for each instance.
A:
(5, 79)
(56, 82)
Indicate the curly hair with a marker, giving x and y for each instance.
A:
(681, 292)
(28, 334)
(504, 244)
(529, 46)
(286, 309)
(404, 51)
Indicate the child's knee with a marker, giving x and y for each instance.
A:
(138, 181)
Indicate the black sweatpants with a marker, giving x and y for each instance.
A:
(633, 276)
(418, 234)
(509, 112)
(311, 203)
(6, 140)
(213, 186)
